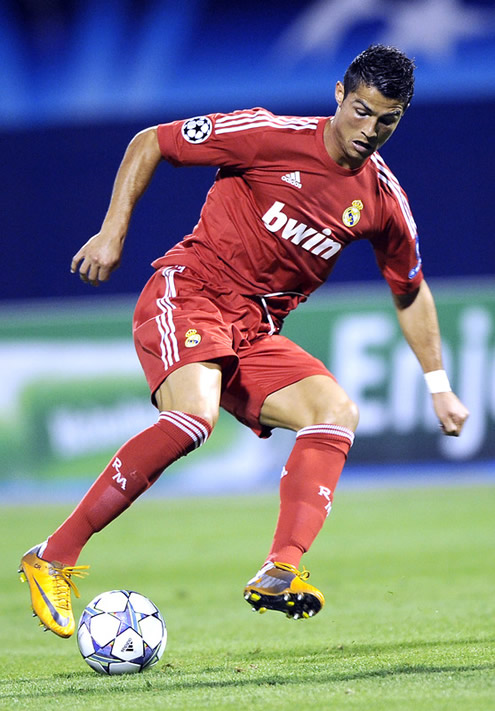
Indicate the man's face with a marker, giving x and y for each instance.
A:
(363, 122)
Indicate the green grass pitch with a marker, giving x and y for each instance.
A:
(409, 579)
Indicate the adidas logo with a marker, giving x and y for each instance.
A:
(293, 179)
(128, 646)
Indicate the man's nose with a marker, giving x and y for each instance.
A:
(370, 129)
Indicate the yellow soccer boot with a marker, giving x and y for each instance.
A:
(280, 586)
(50, 585)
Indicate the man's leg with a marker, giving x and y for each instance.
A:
(323, 416)
(188, 402)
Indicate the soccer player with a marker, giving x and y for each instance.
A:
(290, 193)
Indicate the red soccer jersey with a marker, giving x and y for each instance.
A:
(281, 210)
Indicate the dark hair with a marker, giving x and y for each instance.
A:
(385, 68)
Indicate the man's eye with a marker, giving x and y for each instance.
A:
(388, 120)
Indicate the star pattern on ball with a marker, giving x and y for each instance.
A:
(129, 619)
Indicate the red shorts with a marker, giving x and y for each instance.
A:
(180, 319)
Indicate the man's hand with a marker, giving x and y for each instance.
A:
(97, 259)
(451, 413)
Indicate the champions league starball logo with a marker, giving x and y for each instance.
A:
(197, 130)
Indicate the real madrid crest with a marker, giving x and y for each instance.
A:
(352, 214)
(192, 338)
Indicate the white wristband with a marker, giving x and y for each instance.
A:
(437, 382)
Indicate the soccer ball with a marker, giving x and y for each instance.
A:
(121, 632)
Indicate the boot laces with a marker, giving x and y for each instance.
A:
(302, 574)
(64, 584)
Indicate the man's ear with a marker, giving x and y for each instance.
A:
(339, 93)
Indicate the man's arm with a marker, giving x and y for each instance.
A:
(418, 320)
(98, 258)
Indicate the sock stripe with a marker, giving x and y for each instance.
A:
(194, 422)
(332, 430)
(193, 429)
(191, 426)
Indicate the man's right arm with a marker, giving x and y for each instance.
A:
(101, 255)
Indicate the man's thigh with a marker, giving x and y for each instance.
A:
(266, 365)
(314, 400)
(193, 388)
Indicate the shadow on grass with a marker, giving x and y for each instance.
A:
(246, 674)
(358, 649)
(161, 683)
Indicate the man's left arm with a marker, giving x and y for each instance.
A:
(418, 320)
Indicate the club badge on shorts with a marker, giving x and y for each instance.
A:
(192, 338)
(352, 214)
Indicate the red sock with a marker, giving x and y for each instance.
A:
(135, 467)
(306, 489)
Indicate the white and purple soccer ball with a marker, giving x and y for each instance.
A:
(121, 632)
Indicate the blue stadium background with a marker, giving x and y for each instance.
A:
(79, 78)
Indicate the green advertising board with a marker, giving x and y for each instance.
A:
(356, 333)
(72, 389)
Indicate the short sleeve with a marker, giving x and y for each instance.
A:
(213, 139)
(396, 246)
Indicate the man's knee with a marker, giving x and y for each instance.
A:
(344, 413)
(332, 406)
